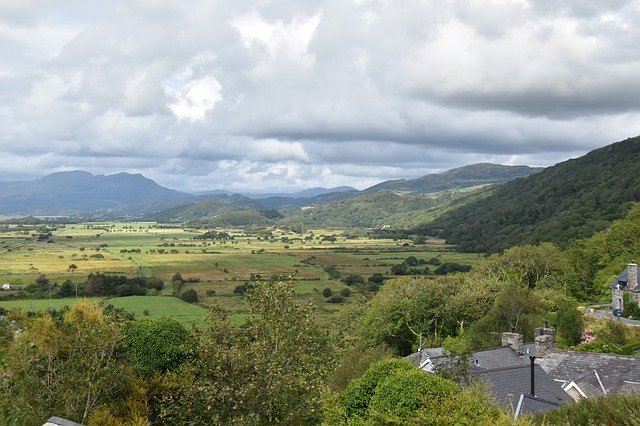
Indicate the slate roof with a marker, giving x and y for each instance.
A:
(619, 374)
(422, 355)
(528, 404)
(490, 359)
(507, 384)
(487, 359)
(623, 279)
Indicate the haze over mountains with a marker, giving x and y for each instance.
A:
(82, 193)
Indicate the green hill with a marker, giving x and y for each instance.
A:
(378, 209)
(571, 200)
(461, 177)
(235, 210)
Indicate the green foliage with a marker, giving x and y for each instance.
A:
(156, 344)
(376, 278)
(353, 279)
(67, 367)
(568, 201)
(531, 266)
(327, 292)
(358, 394)
(569, 323)
(190, 296)
(594, 262)
(474, 405)
(514, 309)
(450, 267)
(606, 410)
(404, 392)
(269, 371)
(631, 308)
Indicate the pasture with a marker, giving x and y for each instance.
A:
(214, 268)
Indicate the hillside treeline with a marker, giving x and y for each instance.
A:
(568, 201)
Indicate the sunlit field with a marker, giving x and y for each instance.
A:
(212, 267)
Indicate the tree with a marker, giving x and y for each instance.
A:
(156, 344)
(353, 279)
(411, 261)
(66, 289)
(327, 292)
(569, 323)
(190, 296)
(68, 368)
(269, 371)
(400, 269)
(406, 310)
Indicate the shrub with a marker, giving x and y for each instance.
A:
(353, 279)
(345, 292)
(336, 298)
(376, 278)
(404, 392)
(155, 344)
(327, 292)
(356, 397)
(399, 269)
(190, 296)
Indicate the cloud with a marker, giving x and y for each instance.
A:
(283, 93)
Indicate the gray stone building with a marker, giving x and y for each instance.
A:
(627, 281)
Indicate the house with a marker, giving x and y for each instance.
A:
(506, 370)
(627, 281)
(592, 374)
(512, 388)
(6, 286)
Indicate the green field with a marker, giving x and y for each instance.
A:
(214, 268)
(155, 306)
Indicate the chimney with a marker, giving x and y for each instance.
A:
(514, 340)
(545, 340)
(632, 276)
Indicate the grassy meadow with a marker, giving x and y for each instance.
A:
(214, 268)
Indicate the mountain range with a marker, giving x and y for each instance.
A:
(125, 195)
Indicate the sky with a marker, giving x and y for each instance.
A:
(292, 94)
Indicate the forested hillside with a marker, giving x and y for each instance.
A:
(224, 210)
(379, 209)
(461, 177)
(571, 200)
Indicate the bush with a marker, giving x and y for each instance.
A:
(376, 278)
(336, 298)
(404, 392)
(155, 344)
(345, 292)
(353, 279)
(447, 268)
(606, 410)
(400, 269)
(242, 288)
(190, 296)
(356, 397)
(411, 261)
(327, 292)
